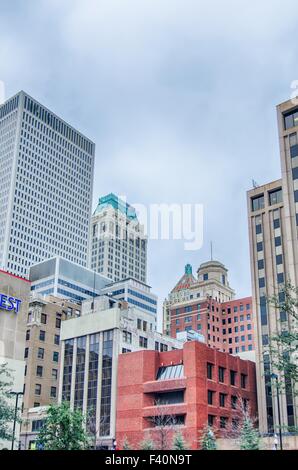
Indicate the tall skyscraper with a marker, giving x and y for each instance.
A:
(118, 247)
(46, 179)
(273, 221)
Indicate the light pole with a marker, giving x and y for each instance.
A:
(274, 376)
(16, 394)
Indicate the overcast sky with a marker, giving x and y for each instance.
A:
(179, 97)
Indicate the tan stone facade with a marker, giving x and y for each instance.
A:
(272, 214)
(42, 354)
(12, 330)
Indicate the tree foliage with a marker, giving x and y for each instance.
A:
(147, 444)
(208, 440)
(179, 442)
(63, 429)
(126, 444)
(7, 407)
(283, 344)
(249, 436)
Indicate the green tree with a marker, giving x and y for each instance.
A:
(147, 444)
(283, 346)
(7, 409)
(126, 444)
(179, 442)
(282, 356)
(208, 440)
(249, 436)
(63, 429)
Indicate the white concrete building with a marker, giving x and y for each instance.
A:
(46, 177)
(118, 245)
(91, 345)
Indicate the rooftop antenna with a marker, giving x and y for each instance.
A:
(254, 183)
(211, 251)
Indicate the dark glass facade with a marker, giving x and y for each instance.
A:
(106, 384)
(80, 372)
(67, 369)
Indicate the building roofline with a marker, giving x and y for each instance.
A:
(15, 276)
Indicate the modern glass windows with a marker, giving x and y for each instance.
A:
(170, 372)
(93, 373)
(258, 202)
(106, 384)
(275, 197)
(80, 372)
(67, 369)
(291, 119)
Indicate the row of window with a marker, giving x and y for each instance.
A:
(222, 372)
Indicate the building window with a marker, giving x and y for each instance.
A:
(37, 424)
(233, 375)
(209, 370)
(27, 335)
(42, 335)
(127, 337)
(275, 197)
(260, 246)
(143, 342)
(139, 324)
(221, 374)
(26, 353)
(55, 374)
(223, 422)
(53, 392)
(210, 394)
(170, 372)
(222, 400)
(57, 340)
(291, 119)
(234, 400)
(80, 372)
(67, 369)
(106, 384)
(211, 420)
(37, 390)
(55, 356)
(58, 322)
(39, 370)
(257, 203)
(43, 318)
(205, 277)
(243, 380)
(169, 398)
(40, 353)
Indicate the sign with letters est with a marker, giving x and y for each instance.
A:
(9, 303)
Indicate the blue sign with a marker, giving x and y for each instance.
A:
(9, 303)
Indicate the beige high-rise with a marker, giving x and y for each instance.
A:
(273, 218)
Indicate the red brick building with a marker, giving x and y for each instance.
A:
(192, 386)
(227, 326)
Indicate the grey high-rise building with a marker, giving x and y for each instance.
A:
(46, 179)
